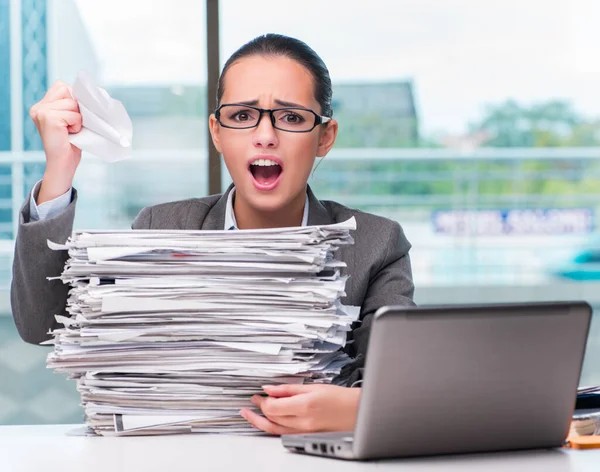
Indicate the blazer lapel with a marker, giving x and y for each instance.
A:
(215, 218)
(319, 215)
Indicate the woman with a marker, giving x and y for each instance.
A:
(274, 118)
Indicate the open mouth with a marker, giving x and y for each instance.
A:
(266, 173)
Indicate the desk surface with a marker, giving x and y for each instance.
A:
(48, 448)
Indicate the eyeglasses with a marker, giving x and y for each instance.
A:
(293, 120)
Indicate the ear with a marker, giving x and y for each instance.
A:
(213, 126)
(327, 136)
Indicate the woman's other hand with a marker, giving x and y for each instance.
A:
(296, 409)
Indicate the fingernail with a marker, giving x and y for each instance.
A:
(243, 414)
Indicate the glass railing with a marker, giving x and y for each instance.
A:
(489, 216)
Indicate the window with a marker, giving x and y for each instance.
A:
(476, 125)
(153, 60)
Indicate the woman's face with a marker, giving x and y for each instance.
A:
(270, 82)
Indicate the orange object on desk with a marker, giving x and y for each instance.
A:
(584, 442)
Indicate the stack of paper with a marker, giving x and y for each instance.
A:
(173, 331)
(589, 390)
(585, 424)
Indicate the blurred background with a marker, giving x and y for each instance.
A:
(476, 125)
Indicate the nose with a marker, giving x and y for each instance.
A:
(264, 134)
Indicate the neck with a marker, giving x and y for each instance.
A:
(248, 217)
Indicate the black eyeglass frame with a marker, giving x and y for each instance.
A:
(319, 120)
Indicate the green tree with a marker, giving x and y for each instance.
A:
(550, 124)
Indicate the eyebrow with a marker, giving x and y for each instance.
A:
(283, 103)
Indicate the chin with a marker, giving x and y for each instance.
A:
(269, 202)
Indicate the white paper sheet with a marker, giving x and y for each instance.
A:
(107, 129)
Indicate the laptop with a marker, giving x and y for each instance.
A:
(463, 379)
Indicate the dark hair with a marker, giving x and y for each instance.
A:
(279, 45)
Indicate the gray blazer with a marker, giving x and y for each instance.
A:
(378, 263)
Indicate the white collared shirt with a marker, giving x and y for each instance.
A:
(48, 209)
(231, 223)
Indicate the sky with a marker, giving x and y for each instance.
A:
(460, 54)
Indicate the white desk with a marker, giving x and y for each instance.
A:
(47, 448)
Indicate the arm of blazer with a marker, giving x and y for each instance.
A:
(35, 299)
(143, 220)
(390, 283)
